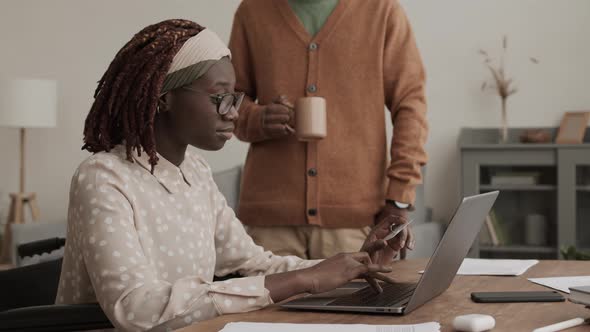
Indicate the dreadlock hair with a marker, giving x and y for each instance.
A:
(127, 96)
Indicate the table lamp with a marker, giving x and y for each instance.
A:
(25, 103)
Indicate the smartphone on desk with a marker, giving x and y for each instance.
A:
(503, 297)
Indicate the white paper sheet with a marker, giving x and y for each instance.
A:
(283, 327)
(562, 283)
(495, 267)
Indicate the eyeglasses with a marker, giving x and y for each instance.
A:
(224, 101)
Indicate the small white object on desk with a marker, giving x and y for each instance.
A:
(561, 325)
(474, 323)
(562, 283)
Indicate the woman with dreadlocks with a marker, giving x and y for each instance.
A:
(147, 227)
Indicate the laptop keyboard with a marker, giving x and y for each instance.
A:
(366, 297)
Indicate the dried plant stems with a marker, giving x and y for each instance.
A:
(501, 84)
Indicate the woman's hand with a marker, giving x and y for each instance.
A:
(342, 268)
(329, 274)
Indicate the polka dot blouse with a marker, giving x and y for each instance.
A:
(146, 247)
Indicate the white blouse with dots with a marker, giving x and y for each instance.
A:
(146, 247)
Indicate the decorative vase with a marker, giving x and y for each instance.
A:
(504, 128)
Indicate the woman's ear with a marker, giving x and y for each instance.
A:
(164, 103)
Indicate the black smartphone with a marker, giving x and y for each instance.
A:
(502, 297)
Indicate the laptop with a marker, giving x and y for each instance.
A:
(402, 298)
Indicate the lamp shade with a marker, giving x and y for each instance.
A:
(28, 103)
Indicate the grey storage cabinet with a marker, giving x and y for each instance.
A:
(561, 193)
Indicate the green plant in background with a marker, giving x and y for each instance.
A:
(571, 253)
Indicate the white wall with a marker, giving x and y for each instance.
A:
(451, 32)
(74, 41)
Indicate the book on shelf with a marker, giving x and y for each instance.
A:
(496, 229)
(580, 295)
(515, 178)
(489, 237)
(485, 238)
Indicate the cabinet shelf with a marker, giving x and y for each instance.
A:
(519, 187)
(549, 180)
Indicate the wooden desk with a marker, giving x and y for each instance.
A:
(455, 301)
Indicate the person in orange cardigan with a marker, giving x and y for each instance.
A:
(317, 198)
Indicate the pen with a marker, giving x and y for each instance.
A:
(396, 229)
(562, 325)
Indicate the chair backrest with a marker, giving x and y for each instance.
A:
(28, 297)
(228, 182)
(30, 285)
(55, 318)
(34, 284)
(40, 247)
(31, 232)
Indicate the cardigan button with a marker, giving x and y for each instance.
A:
(313, 46)
(312, 212)
(312, 172)
(312, 88)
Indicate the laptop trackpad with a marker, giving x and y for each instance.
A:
(327, 297)
(334, 293)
